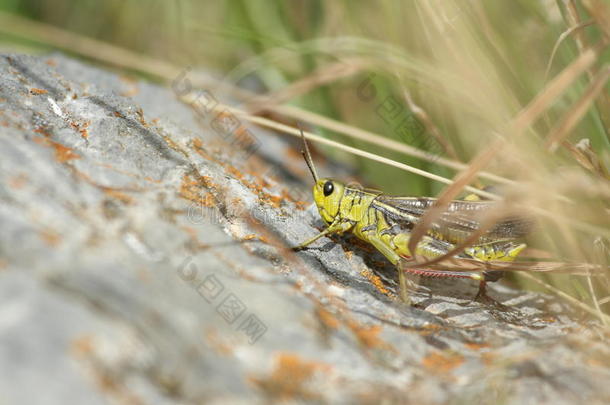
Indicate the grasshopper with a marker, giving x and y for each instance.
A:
(386, 222)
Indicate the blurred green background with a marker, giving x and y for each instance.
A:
(280, 42)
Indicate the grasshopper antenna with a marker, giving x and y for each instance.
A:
(307, 155)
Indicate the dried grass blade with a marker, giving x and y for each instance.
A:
(432, 129)
(560, 40)
(521, 122)
(320, 77)
(568, 298)
(569, 121)
(473, 265)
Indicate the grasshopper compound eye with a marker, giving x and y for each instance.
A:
(328, 188)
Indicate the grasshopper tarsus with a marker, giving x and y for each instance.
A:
(484, 299)
(482, 296)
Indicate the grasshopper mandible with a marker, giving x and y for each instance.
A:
(386, 222)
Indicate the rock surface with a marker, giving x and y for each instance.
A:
(141, 261)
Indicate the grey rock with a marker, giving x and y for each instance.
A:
(129, 271)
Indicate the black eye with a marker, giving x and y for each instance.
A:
(328, 188)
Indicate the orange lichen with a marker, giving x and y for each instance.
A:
(253, 236)
(290, 377)
(84, 348)
(207, 201)
(596, 362)
(442, 362)
(199, 148)
(235, 172)
(368, 336)
(300, 205)
(489, 358)
(50, 237)
(82, 129)
(217, 343)
(195, 242)
(197, 144)
(42, 132)
(257, 187)
(189, 189)
(141, 120)
(117, 195)
(83, 345)
(18, 181)
(171, 143)
(37, 92)
(327, 319)
(375, 280)
(477, 346)
(62, 153)
(197, 189)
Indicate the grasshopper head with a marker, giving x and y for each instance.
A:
(327, 195)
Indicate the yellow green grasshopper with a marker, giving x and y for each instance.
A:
(386, 222)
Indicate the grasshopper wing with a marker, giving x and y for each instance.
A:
(461, 219)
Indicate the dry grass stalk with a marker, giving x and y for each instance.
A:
(580, 108)
(521, 122)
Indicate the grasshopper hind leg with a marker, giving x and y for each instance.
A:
(402, 287)
(482, 278)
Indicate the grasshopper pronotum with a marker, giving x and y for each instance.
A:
(386, 222)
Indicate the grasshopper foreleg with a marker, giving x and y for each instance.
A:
(335, 227)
